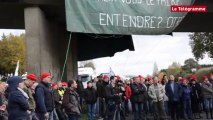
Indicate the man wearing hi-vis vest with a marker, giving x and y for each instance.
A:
(58, 97)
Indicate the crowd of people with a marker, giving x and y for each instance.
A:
(107, 97)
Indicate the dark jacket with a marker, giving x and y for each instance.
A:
(196, 98)
(139, 92)
(90, 95)
(99, 88)
(17, 102)
(196, 92)
(112, 95)
(71, 102)
(176, 95)
(57, 99)
(104, 89)
(186, 95)
(206, 90)
(44, 98)
(80, 88)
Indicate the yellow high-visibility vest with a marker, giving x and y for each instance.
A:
(61, 92)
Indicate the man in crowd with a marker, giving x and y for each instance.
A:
(18, 107)
(104, 90)
(71, 101)
(139, 96)
(80, 89)
(113, 100)
(100, 97)
(30, 80)
(58, 101)
(44, 98)
(196, 98)
(207, 93)
(174, 92)
(156, 92)
(3, 101)
(128, 94)
(90, 96)
(186, 99)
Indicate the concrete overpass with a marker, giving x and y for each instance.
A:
(47, 38)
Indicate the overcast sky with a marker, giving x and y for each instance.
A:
(163, 50)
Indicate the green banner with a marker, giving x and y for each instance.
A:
(143, 17)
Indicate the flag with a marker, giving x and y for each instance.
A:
(17, 68)
(111, 73)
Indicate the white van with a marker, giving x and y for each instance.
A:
(86, 74)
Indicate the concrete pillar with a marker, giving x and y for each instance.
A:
(71, 69)
(46, 46)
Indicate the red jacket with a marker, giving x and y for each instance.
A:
(128, 91)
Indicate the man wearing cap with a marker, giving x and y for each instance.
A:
(62, 88)
(44, 98)
(196, 98)
(211, 78)
(139, 96)
(58, 101)
(104, 91)
(207, 93)
(186, 99)
(30, 80)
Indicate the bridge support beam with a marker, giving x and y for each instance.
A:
(46, 46)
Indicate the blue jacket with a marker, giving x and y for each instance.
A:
(44, 98)
(17, 102)
(187, 90)
(176, 95)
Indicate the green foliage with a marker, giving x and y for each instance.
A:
(186, 70)
(175, 69)
(190, 64)
(204, 72)
(12, 49)
(201, 43)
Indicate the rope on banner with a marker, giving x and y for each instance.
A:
(65, 61)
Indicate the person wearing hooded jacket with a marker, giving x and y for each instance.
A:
(18, 100)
